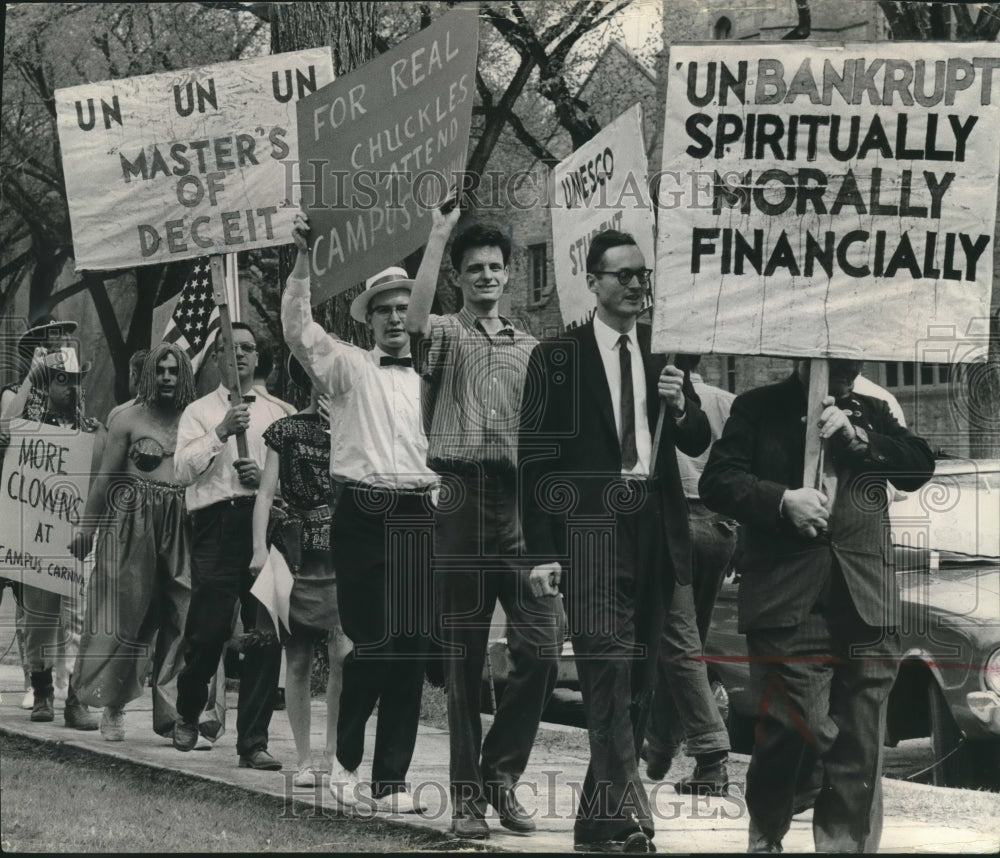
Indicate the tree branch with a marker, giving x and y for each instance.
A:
(530, 142)
(259, 10)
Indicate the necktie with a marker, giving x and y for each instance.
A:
(395, 361)
(629, 454)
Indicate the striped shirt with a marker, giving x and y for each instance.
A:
(471, 390)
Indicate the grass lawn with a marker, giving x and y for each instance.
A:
(58, 799)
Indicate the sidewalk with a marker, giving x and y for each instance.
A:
(684, 824)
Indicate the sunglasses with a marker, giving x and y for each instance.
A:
(625, 275)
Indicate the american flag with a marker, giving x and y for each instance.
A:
(195, 315)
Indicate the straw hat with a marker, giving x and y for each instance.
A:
(385, 281)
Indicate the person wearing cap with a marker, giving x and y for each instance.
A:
(472, 364)
(298, 456)
(221, 487)
(26, 399)
(23, 399)
(605, 518)
(54, 621)
(141, 581)
(378, 464)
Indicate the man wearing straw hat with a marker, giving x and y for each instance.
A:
(384, 504)
(595, 402)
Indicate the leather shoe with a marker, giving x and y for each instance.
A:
(513, 816)
(42, 708)
(469, 826)
(637, 841)
(185, 735)
(758, 842)
(710, 780)
(260, 760)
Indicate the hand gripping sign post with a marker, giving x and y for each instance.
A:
(382, 146)
(828, 201)
(184, 164)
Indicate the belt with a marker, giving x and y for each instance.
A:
(418, 491)
(319, 513)
(236, 502)
(639, 483)
(501, 470)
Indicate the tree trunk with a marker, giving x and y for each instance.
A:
(349, 29)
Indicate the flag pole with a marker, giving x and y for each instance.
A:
(229, 352)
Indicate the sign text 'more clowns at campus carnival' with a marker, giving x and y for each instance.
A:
(827, 201)
(44, 478)
(183, 164)
(602, 185)
(380, 147)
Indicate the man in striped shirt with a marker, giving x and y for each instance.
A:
(472, 364)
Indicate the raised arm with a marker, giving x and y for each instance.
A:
(418, 323)
(327, 360)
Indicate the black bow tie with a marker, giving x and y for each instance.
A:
(385, 360)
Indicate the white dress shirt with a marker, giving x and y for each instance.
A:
(376, 434)
(203, 463)
(607, 345)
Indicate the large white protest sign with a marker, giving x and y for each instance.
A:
(602, 185)
(381, 146)
(182, 164)
(44, 483)
(827, 201)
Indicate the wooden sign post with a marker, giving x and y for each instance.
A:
(819, 383)
(228, 364)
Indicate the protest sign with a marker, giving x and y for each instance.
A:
(602, 185)
(184, 164)
(827, 201)
(45, 479)
(380, 147)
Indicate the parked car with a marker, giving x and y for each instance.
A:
(946, 539)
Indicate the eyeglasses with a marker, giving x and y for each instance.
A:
(385, 312)
(625, 275)
(246, 348)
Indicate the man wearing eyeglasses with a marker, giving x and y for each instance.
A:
(219, 499)
(605, 520)
(383, 514)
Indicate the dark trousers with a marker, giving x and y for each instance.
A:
(221, 548)
(477, 560)
(823, 688)
(614, 595)
(381, 549)
(713, 543)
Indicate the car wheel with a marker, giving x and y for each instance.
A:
(951, 756)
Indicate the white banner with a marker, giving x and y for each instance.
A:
(603, 185)
(827, 200)
(44, 484)
(184, 164)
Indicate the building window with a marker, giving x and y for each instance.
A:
(909, 371)
(892, 375)
(537, 261)
(723, 29)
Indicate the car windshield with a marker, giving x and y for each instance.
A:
(954, 512)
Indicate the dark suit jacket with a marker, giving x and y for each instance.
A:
(760, 455)
(569, 451)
